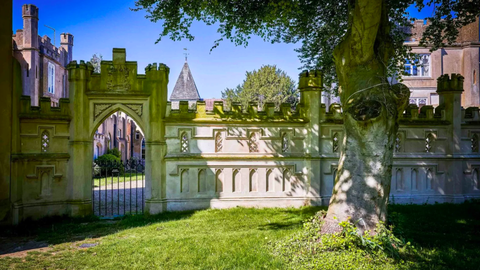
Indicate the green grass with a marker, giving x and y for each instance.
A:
(116, 179)
(445, 236)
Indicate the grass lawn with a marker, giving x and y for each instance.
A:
(445, 236)
(102, 181)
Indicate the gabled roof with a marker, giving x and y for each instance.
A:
(185, 88)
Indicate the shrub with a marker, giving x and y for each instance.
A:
(114, 152)
(108, 163)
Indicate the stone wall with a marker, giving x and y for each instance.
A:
(199, 158)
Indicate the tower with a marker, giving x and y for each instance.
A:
(66, 42)
(31, 52)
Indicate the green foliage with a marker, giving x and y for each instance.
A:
(114, 151)
(268, 84)
(108, 163)
(381, 247)
(319, 26)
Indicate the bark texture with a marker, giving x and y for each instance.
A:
(371, 110)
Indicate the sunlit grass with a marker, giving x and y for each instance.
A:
(445, 237)
(127, 177)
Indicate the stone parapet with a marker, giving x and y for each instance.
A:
(45, 110)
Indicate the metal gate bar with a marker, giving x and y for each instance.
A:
(105, 188)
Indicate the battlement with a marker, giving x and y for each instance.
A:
(153, 67)
(237, 112)
(450, 83)
(310, 79)
(29, 10)
(66, 39)
(82, 65)
(45, 110)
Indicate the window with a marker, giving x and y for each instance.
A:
(419, 67)
(474, 141)
(218, 142)
(143, 148)
(253, 143)
(120, 133)
(418, 101)
(335, 142)
(474, 77)
(184, 143)
(51, 78)
(45, 141)
(429, 143)
(137, 135)
(285, 143)
(28, 70)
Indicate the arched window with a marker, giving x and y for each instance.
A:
(474, 76)
(253, 180)
(429, 179)
(399, 179)
(286, 180)
(202, 181)
(219, 180)
(45, 141)
(184, 143)
(285, 143)
(184, 184)
(269, 183)
(218, 142)
(237, 181)
(414, 178)
(253, 143)
(335, 142)
(474, 141)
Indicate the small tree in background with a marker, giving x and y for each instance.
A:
(268, 84)
(96, 60)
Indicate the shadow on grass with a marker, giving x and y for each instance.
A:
(292, 221)
(61, 229)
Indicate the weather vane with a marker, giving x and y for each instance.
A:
(186, 53)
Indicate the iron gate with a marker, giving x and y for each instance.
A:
(118, 188)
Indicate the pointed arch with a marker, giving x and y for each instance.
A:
(269, 181)
(202, 181)
(219, 180)
(237, 181)
(414, 179)
(98, 120)
(286, 180)
(184, 182)
(399, 179)
(429, 179)
(253, 180)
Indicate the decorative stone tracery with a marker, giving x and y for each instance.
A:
(184, 143)
(45, 141)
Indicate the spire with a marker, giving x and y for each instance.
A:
(185, 88)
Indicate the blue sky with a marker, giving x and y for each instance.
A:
(98, 26)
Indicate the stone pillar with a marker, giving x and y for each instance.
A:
(80, 148)
(450, 91)
(155, 145)
(310, 86)
(6, 91)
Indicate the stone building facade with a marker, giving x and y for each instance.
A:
(43, 65)
(197, 158)
(121, 132)
(462, 57)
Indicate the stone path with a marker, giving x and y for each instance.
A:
(119, 199)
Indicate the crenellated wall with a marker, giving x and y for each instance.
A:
(198, 158)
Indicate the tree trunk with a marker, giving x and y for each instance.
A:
(371, 108)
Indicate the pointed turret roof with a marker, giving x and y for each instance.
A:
(185, 88)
